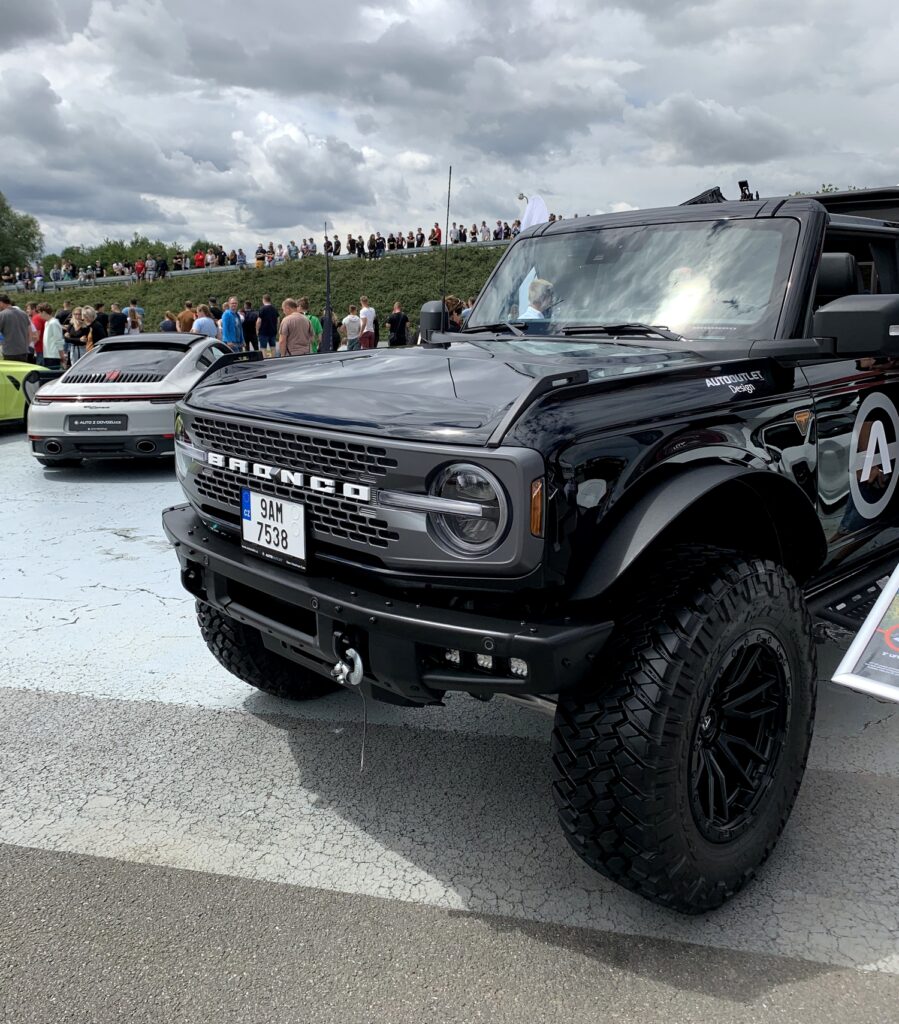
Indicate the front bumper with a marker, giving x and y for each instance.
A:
(403, 644)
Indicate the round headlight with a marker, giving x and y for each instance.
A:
(479, 521)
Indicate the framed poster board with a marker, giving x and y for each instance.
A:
(871, 665)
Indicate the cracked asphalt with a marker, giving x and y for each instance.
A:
(174, 845)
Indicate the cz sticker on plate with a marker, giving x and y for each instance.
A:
(273, 527)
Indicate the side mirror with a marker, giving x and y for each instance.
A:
(861, 325)
(433, 320)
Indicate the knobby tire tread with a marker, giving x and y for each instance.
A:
(614, 773)
(240, 650)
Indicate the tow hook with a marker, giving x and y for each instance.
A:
(348, 669)
(348, 672)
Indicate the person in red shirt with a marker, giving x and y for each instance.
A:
(140, 269)
(436, 235)
(199, 259)
(38, 323)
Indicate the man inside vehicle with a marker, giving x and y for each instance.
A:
(540, 300)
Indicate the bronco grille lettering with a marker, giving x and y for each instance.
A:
(290, 478)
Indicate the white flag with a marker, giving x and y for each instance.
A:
(536, 213)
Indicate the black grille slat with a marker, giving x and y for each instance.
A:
(110, 377)
(346, 461)
(330, 517)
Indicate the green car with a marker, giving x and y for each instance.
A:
(18, 384)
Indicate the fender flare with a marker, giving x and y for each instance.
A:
(656, 510)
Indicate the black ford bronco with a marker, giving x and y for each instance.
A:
(658, 460)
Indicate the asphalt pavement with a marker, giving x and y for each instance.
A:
(176, 846)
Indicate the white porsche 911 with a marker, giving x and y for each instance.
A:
(119, 400)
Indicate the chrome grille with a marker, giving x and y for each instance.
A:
(348, 461)
(328, 516)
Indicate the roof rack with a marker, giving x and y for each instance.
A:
(715, 195)
(876, 203)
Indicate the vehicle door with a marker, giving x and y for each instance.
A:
(856, 403)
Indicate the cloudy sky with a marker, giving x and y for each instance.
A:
(243, 121)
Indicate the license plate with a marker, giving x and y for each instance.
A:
(89, 423)
(273, 527)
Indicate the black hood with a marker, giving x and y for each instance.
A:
(452, 395)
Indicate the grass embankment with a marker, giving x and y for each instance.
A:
(411, 280)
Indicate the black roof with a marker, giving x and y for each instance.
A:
(849, 209)
(658, 215)
(879, 203)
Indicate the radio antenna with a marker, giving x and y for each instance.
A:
(327, 343)
(449, 189)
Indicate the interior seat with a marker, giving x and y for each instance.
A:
(838, 275)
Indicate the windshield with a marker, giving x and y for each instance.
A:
(704, 279)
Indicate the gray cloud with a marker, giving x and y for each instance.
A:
(59, 194)
(367, 124)
(27, 22)
(99, 164)
(240, 119)
(704, 23)
(307, 181)
(686, 130)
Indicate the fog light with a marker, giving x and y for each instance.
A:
(454, 656)
(518, 667)
(485, 661)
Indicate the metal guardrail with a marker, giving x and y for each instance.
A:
(53, 286)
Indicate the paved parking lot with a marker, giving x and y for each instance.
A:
(176, 846)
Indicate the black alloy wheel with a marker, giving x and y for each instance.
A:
(739, 736)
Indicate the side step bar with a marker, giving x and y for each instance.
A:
(846, 602)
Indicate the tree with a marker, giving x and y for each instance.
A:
(201, 243)
(21, 240)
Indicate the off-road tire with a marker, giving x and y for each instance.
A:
(241, 650)
(59, 463)
(624, 751)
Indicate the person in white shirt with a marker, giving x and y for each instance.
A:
(54, 342)
(367, 315)
(485, 232)
(540, 300)
(351, 326)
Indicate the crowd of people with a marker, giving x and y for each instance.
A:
(34, 279)
(59, 339)
(292, 330)
(155, 267)
(377, 244)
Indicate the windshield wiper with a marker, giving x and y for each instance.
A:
(503, 325)
(630, 328)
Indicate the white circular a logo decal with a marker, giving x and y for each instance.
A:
(873, 473)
